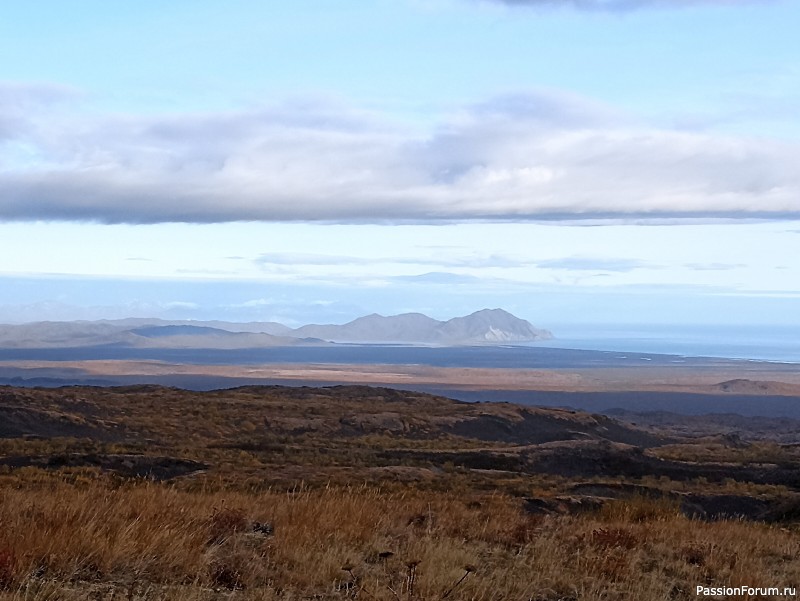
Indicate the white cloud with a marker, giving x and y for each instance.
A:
(19, 102)
(464, 260)
(620, 265)
(714, 266)
(538, 155)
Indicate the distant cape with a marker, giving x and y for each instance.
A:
(488, 326)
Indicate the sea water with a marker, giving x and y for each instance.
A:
(757, 343)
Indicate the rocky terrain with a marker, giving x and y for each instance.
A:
(372, 432)
(340, 492)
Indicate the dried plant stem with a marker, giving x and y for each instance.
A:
(458, 582)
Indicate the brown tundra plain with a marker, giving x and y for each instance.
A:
(353, 492)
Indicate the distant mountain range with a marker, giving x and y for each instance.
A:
(488, 326)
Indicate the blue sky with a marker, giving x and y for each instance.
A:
(585, 160)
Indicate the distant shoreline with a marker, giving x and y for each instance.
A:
(597, 381)
(505, 356)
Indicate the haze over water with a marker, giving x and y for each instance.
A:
(758, 343)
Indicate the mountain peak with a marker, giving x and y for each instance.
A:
(486, 326)
(490, 326)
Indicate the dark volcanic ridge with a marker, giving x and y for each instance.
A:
(333, 411)
(287, 435)
(127, 465)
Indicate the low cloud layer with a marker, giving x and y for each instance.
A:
(306, 259)
(620, 265)
(540, 155)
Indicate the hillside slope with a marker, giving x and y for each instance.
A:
(488, 326)
(482, 327)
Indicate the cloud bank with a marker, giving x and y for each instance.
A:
(620, 265)
(537, 155)
(307, 259)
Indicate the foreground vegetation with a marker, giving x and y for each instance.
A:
(287, 495)
(91, 539)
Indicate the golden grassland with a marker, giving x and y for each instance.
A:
(94, 539)
(355, 493)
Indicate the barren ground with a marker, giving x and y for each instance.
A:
(756, 378)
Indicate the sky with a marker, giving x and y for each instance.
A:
(572, 161)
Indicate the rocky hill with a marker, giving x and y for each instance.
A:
(335, 411)
(489, 326)
(114, 334)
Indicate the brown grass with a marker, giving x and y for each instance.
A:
(152, 541)
(297, 503)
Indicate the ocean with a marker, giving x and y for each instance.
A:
(756, 343)
(574, 347)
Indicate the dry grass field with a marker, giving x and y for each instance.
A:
(92, 540)
(146, 493)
